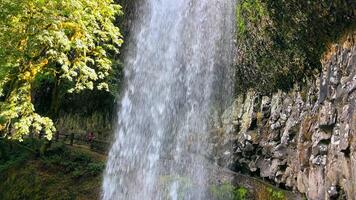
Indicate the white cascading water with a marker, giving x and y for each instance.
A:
(178, 72)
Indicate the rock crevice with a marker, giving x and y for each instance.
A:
(303, 139)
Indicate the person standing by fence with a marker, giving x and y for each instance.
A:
(90, 138)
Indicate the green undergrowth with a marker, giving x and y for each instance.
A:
(260, 191)
(275, 194)
(62, 173)
(227, 191)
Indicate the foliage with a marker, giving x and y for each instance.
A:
(226, 191)
(12, 160)
(76, 164)
(241, 193)
(280, 42)
(275, 195)
(271, 193)
(67, 39)
(47, 177)
(13, 153)
(252, 10)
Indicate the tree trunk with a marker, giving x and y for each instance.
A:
(54, 108)
(53, 111)
(3, 150)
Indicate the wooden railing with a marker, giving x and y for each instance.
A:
(100, 146)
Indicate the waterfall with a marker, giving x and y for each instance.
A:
(178, 72)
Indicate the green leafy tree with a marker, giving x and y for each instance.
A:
(65, 39)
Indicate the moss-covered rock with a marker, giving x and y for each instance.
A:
(281, 42)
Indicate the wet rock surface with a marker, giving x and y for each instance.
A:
(304, 139)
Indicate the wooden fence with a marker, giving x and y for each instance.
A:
(97, 145)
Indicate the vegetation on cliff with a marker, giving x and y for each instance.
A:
(280, 42)
(52, 50)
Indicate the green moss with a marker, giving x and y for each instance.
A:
(275, 194)
(281, 42)
(241, 193)
(249, 11)
(227, 191)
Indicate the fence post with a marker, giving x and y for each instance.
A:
(71, 139)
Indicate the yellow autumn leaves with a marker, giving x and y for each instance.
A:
(67, 39)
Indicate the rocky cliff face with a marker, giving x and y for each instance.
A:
(304, 139)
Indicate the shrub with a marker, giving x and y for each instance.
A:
(94, 169)
(227, 191)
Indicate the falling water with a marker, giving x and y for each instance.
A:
(178, 72)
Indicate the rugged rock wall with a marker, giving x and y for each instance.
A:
(304, 139)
